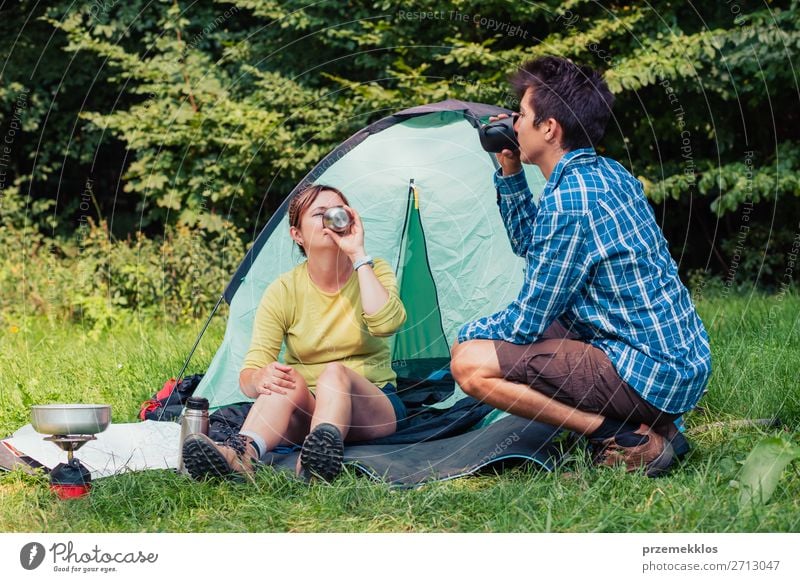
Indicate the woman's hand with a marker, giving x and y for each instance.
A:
(275, 377)
(352, 243)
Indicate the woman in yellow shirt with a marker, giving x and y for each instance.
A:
(334, 312)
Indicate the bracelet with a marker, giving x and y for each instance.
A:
(365, 260)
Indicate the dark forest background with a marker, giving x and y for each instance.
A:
(143, 144)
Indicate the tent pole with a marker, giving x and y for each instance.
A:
(199, 337)
(194, 347)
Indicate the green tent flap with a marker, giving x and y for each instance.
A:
(423, 335)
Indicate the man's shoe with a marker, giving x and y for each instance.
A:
(639, 449)
(681, 446)
(204, 458)
(322, 453)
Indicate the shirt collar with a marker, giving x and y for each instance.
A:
(571, 158)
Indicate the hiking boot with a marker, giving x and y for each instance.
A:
(322, 453)
(639, 449)
(681, 445)
(204, 458)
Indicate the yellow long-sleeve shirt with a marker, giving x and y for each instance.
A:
(320, 327)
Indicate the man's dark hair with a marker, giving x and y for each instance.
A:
(575, 96)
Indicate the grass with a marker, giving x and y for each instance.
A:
(755, 344)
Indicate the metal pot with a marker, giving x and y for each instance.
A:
(70, 419)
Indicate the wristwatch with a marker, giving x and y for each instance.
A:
(365, 260)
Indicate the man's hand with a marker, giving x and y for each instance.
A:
(507, 159)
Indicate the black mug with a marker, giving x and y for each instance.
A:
(499, 135)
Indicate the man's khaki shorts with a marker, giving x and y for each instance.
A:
(580, 375)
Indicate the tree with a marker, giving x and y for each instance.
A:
(209, 112)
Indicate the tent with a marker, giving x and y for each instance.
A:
(424, 188)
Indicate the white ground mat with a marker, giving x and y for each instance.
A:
(121, 447)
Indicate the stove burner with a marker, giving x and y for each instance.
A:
(71, 479)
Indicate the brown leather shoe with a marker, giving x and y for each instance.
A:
(204, 458)
(639, 449)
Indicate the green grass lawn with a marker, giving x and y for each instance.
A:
(756, 352)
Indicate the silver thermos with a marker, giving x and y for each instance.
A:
(193, 421)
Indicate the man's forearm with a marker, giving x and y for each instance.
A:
(517, 210)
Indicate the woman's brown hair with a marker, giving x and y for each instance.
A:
(303, 200)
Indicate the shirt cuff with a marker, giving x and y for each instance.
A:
(513, 185)
(388, 319)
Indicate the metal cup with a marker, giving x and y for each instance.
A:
(337, 219)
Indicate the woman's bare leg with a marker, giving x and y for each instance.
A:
(353, 404)
(282, 419)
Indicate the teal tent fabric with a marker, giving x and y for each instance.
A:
(423, 186)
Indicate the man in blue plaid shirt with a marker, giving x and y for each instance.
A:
(603, 338)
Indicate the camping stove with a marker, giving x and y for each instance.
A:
(71, 427)
(71, 479)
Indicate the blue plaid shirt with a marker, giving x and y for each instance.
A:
(597, 261)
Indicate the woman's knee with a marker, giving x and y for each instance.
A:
(299, 397)
(333, 382)
(333, 374)
(294, 398)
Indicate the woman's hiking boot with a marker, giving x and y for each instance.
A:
(236, 457)
(322, 453)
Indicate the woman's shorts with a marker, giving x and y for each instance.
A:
(400, 411)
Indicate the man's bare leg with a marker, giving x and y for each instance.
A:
(476, 369)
